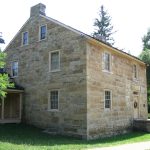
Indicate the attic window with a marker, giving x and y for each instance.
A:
(135, 71)
(25, 38)
(43, 32)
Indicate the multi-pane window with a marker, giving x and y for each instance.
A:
(107, 99)
(54, 98)
(135, 71)
(107, 61)
(54, 61)
(25, 38)
(43, 32)
(14, 69)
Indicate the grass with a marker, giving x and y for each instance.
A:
(24, 137)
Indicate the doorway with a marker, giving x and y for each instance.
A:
(136, 107)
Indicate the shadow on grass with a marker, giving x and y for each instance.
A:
(29, 135)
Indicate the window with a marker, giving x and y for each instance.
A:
(106, 61)
(14, 69)
(25, 38)
(54, 61)
(43, 32)
(135, 71)
(54, 98)
(108, 98)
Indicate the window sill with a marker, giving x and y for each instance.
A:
(40, 40)
(107, 109)
(54, 70)
(14, 77)
(53, 110)
(106, 71)
(135, 79)
(24, 45)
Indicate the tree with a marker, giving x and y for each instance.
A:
(103, 27)
(145, 56)
(4, 79)
(146, 40)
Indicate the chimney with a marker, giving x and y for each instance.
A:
(37, 10)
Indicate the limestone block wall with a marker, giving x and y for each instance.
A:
(119, 119)
(35, 77)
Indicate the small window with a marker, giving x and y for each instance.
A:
(14, 69)
(43, 32)
(107, 61)
(135, 71)
(107, 99)
(54, 61)
(54, 98)
(25, 38)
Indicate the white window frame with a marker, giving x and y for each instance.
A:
(50, 70)
(40, 32)
(110, 62)
(49, 100)
(12, 69)
(110, 99)
(135, 71)
(27, 38)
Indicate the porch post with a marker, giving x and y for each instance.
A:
(20, 114)
(2, 108)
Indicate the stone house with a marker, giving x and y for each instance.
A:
(75, 84)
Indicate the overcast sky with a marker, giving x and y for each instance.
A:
(130, 18)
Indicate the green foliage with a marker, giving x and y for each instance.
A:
(4, 79)
(145, 55)
(146, 40)
(103, 27)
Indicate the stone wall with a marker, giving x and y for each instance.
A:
(119, 119)
(35, 77)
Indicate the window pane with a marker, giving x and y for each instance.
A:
(107, 61)
(43, 32)
(54, 60)
(135, 71)
(107, 99)
(25, 38)
(54, 99)
(15, 69)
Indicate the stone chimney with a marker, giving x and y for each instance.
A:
(37, 10)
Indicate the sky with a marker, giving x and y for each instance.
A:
(130, 18)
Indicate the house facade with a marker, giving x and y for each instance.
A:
(74, 84)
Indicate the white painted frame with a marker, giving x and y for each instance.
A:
(12, 68)
(137, 73)
(110, 99)
(49, 100)
(27, 39)
(50, 70)
(40, 32)
(110, 63)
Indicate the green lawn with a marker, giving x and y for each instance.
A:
(23, 137)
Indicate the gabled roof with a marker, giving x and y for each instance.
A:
(92, 38)
(100, 42)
